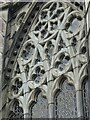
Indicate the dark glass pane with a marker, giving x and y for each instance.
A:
(40, 109)
(65, 102)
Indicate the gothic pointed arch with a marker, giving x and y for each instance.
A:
(50, 42)
(39, 109)
(65, 101)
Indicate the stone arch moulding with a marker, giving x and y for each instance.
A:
(52, 44)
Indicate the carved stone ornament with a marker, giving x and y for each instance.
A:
(52, 60)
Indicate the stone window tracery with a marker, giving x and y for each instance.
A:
(17, 111)
(56, 46)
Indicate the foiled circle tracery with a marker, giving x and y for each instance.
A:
(55, 47)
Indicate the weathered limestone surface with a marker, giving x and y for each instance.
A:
(3, 21)
(41, 63)
(55, 48)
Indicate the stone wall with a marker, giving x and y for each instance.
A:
(88, 25)
(3, 23)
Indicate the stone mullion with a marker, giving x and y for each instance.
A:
(26, 94)
(51, 110)
(77, 84)
(50, 95)
(26, 110)
(50, 100)
(79, 97)
(79, 103)
(87, 5)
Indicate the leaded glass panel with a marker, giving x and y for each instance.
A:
(40, 109)
(65, 102)
(54, 46)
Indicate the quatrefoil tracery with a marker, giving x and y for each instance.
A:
(38, 74)
(62, 61)
(16, 87)
(57, 30)
(55, 47)
(28, 51)
(51, 21)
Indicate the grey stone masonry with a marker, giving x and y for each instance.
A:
(3, 22)
(43, 60)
